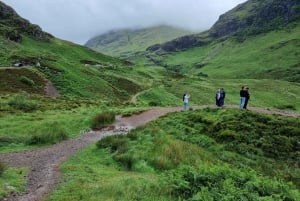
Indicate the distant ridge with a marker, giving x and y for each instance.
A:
(127, 41)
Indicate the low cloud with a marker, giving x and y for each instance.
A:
(79, 20)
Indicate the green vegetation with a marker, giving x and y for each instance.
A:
(27, 81)
(2, 168)
(12, 180)
(264, 93)
(272, 55)
(210, 154)
(50, 133)
(199, 155)
(21, 102)
(104, 119)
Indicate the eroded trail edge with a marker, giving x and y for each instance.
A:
(44, 163)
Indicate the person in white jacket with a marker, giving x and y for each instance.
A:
(186, 101)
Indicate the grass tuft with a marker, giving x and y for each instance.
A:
(51, 133)
(3, 167)
(21, 102)
(103, 119)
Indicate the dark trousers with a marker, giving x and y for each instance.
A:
(246, 103)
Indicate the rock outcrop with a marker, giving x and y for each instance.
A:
(12, 26)
(182, 43)
(255, 17)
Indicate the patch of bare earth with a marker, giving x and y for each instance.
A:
(51, 90)
(44, 163)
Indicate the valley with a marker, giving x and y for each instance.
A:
(77, 124)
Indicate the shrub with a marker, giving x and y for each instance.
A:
(103, 119)
(27, 81)
(224, 183)
(153, 103)
(286, 107)
(20, 102)
(50, 133)
(3, 167)
(119, 146)
(114, 143)
(4, 140)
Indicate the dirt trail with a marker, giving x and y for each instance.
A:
(44, 162)
(13, 67)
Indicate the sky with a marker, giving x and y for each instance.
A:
(80, 20)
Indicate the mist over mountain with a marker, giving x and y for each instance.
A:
(78, 21)
(121, 42)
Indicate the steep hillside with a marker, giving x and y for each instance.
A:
(127, 41)
(257, 39)
(74, 70)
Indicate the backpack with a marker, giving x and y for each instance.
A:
(183, 97)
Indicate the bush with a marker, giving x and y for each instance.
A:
(153, 103)
(4, 140)
(224, 183)
(286, 107)
(3, 167)
(20, 102)
(27, 81)
(50, 133)
(103, 119)
(118, 145)
(113, 143)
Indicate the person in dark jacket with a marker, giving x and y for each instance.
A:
(247, 97)
(222, 98)
(218, 97)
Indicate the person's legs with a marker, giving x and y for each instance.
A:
(185, 106)
(242, 103)
(246, 103)
(221, 102)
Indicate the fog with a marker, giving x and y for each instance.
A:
(79, 20)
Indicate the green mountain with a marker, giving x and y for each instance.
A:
(75, 71)
(206, 154)
(122, 43)
(257, 39)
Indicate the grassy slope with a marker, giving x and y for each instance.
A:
(274, 55)
(264, 93)
(64, 64)
(213, 154)
(116, 83)
(126, 42)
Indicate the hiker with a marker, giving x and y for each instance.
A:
(222, 97)
(186, 101)
(218, 97)
(243, 97)
(247, 97)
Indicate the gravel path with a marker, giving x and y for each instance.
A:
(44, 162)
